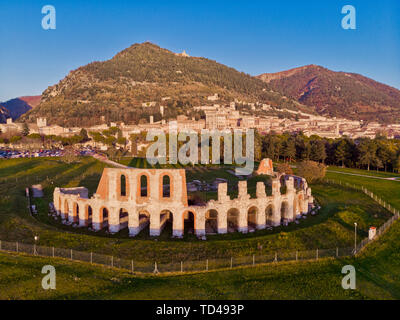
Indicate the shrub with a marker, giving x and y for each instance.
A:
(312, 171)
(284, 168)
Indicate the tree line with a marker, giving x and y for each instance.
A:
(365, 153)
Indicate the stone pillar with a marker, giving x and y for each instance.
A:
(83, 218)
(155, 230)
(113, 220)
(133, 222)
(290, 194)
(242, 188)
(242, 219)
(200, 223)
(276, 211)
(276, 187)
(260, 190)
(71, 212)
(223, 193)
(178, 224)
(222, 221)
(261, 219)
(112, 185)
(97, 218)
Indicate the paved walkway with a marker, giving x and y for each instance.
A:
(365, 176)
(110, 162)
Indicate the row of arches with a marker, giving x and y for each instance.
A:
(211, 218)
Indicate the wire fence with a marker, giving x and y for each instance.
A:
(208, 264)
(175, 267)
(377, 199)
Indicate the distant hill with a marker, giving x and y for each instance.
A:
(339, 94)
(116, 88)
(4, 114)
(19, 106)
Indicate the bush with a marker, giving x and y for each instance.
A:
(311, 171)
(284, 168)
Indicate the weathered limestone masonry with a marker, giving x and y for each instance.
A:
(136, 198)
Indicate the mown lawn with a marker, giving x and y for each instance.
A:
(331, 228)
(378, 267)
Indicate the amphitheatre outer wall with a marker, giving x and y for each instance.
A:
(137, 198)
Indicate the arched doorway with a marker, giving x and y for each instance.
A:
(88, 214)
(252, 215)
(66, 209)
(269, 215)
(104, 217)
(144, 220)
(166, 221)
(123, 218)
(189, 222)
(211, 221)
(285, 213)
(75, 212)
(233, 220)
(166, 186)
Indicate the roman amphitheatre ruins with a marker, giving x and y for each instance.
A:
(136, 198)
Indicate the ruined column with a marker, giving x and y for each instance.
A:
(133, 222)
(155, 229)
(200, 223)
(71, 212)
(223, 193)
(242, 219)
(83, 215)
(222, 221)
(290, 194)
(113, 220)
(276, 199)
(97, 216)
(178, 225)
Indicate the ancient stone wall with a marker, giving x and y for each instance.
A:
(137, 198)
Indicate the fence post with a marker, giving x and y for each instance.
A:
(132, 266)
(155, 268)
(297, 254)
(91, 257)
(317, 254)
(34, 249)
(112, 261)
(207, 265)
(16, 246)
(337, 252)
(276, 257)
(0, 244)
(254, 259)
(231, 262)
(53, 251)
(71, 255)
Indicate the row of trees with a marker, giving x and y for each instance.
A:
(379, 153)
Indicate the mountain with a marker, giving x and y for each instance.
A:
(117, 88)
(4, 114)
(19, 106)
(339, 94)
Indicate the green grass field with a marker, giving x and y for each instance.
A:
(378, 267)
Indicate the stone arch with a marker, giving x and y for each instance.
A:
(123, 218)
(144, 219)
(75, 212)
(269, 215)
(104, 215)
(252, 217)
(166, 220)
(189, 221)
(232, 217)
(285, 211)
(88, 214)
(66, 208)
(211, 221)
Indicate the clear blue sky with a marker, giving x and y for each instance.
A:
(251, 36)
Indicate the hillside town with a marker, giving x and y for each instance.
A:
(220, 116)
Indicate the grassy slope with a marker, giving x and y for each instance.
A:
(340, 209)
(378, 273)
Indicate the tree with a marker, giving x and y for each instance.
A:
(25, 129)
(84, 135)
(367, 152)
(318, 151)
(312, 171)
(341, 152)
(289, 149)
